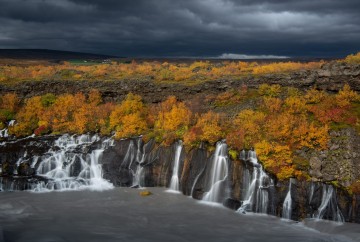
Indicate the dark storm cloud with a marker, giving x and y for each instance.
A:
(183, 28)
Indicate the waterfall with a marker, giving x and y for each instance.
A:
(138, 177)
(4, 132)
(255, 196)
(329, 208)
(218, 173)
(287, 209)
(139, 158)
(71, 166)
(174, 182)
(312, 189)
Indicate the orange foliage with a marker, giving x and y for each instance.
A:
(269, 90)
(272, 104)
(128, 118)
(353, 59)
(276, 158)
(295, 105)
(207, 129)
(10, 102)
(355, 187)
(198, 70)
(249, 124)
(276, 127)
(308, 135)
(66, 113)
(171, 119)
(28, 117)
(9, 105)
(346, 96)
(285, 67)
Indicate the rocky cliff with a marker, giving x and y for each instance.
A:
(130, 162)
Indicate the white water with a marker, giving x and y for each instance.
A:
(255, 190)
(287, 209)
(174, 182)
(329, 205)
(69, 156)
(218, 173)
(312, 189)
(138, 158)
(4, 132)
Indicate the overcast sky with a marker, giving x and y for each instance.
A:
(208, 28)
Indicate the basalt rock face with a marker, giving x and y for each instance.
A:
(307, 197)
(340, 162)
(16, 159)
(330, 77)
(131, 162)
(23, 151)
(356, 209)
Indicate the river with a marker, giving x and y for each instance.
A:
(121, 214)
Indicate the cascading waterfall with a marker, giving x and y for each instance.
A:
(255, 191)
(138, 175)
(287, 205)
(71, 167)
(174, 182)
(329, 208)
(4, 132)
(218, 173)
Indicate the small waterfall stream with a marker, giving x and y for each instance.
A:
(4, 132)
(255, 195)
(174, 182)
(218, 173)
(329, 208)
(287, 205)
(138, 175)
(70, 165)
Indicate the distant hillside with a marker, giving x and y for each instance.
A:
(44, 54)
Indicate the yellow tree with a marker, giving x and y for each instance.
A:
(128, 118)
(276, 158)
(207, 128)
(28, 117)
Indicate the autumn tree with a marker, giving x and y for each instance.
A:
(129, 118)
(28, 117)
(207, 129)
(171, 119)
(9, 105)
(276, 158)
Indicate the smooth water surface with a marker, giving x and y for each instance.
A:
(122, 214)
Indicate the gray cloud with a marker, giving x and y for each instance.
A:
(183, 28)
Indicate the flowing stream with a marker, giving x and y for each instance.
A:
(174, 182)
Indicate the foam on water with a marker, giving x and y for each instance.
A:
(72, 165)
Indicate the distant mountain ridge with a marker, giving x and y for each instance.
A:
(46, 54)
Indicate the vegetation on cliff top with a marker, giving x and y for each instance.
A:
(186, 73)
(282, 121)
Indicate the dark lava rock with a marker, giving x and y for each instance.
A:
(232, 203)
(24, 169)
